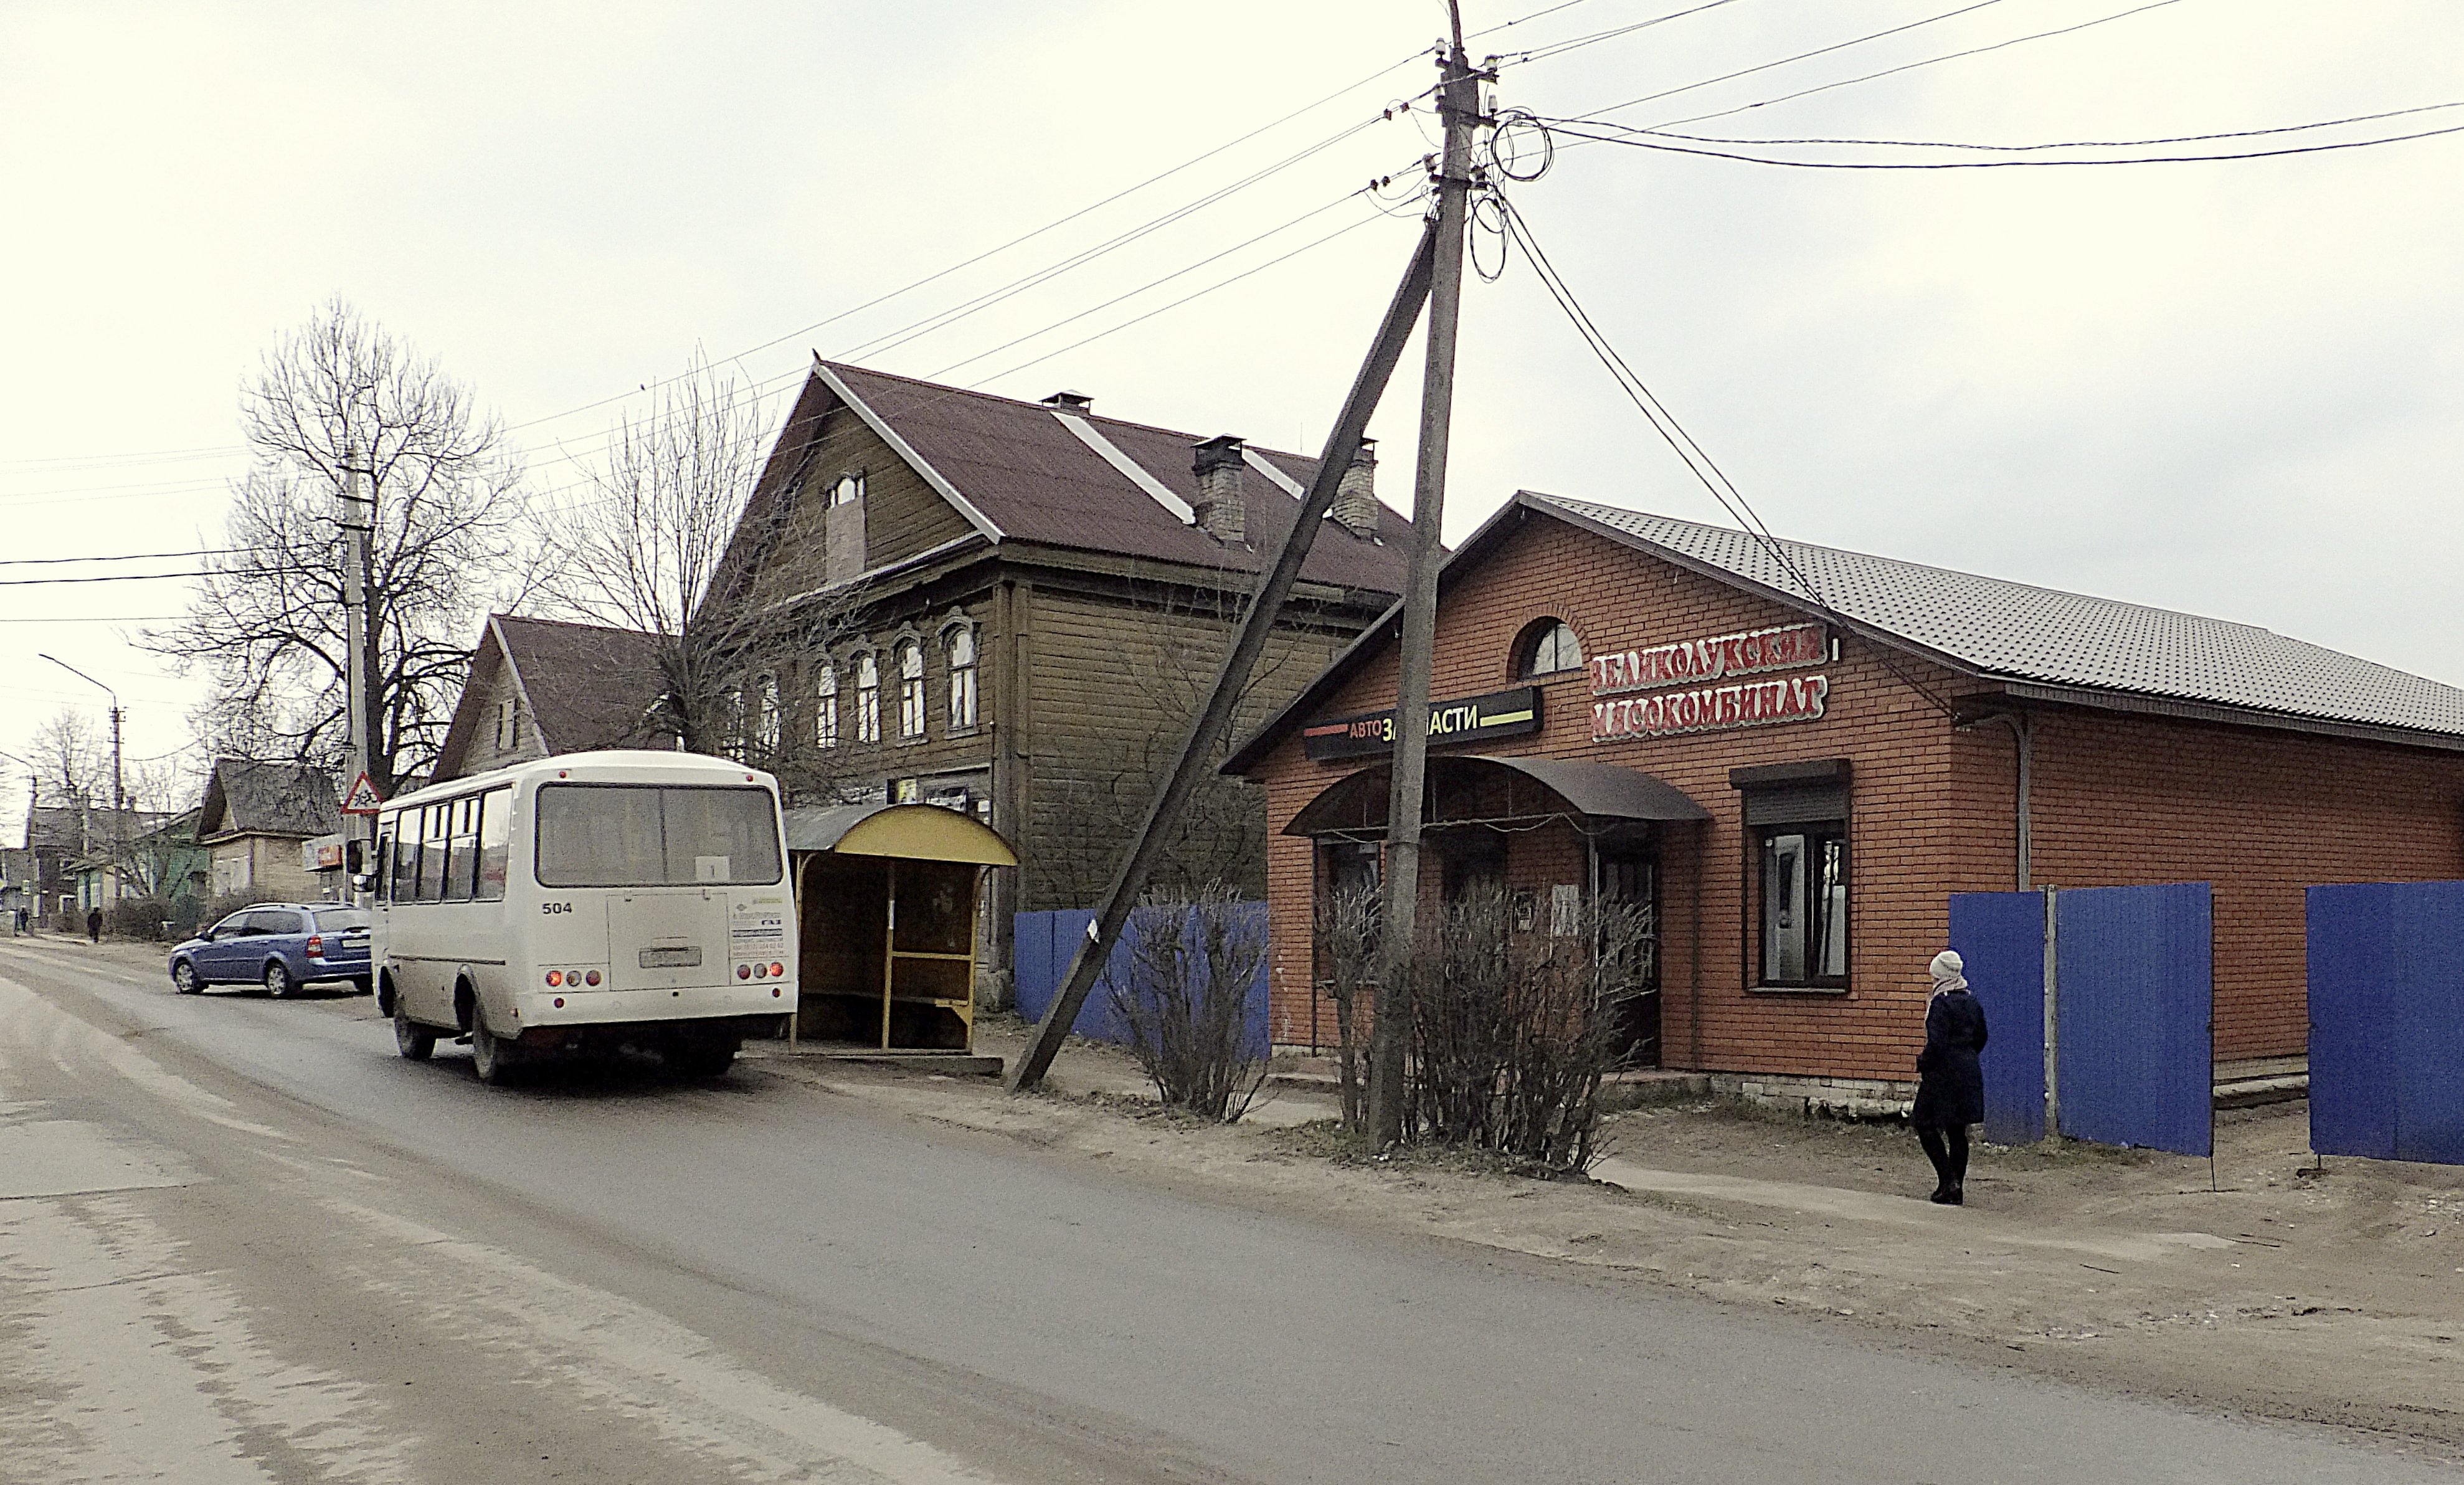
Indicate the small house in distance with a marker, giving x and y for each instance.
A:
(538, 687)
(252, 821)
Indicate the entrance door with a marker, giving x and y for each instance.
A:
(1631, 876)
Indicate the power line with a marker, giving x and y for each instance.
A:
(2010, 164)
(45, 562)
(2173, 139)
(1573, 43)
(95, 618)
(110, 577)
(1836, 46)
(1948, 56)
(1028, 236)
(1697, 460)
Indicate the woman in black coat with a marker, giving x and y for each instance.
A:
(1950, 1085)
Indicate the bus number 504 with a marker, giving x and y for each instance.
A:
(556, 907)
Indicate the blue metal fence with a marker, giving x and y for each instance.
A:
(2001, 937)
(2133, 975)
(1047, 941)
(2387, 1020)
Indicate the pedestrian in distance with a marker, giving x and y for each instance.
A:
(1950, 1084)
(94, 925)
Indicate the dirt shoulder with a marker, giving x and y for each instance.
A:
(2335, 1297)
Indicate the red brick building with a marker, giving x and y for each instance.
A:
(1796, 754)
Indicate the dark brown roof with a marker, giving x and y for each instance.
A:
(247, 796)
(1022, 474)
(589, 687)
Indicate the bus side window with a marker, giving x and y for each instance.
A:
(405, 876)
(380, 864)
(462, 848)
(431, 853)
(496, 828)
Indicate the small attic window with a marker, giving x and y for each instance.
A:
(1547, 648)
(849, 489)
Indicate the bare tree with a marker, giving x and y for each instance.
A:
(669, 541)
(1183, 987)
(1346, 937)
(268, 626)
(1171, 658)
(72, 764)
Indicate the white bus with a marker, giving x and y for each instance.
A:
(584, 903)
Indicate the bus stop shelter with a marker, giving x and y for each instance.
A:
(887, 900)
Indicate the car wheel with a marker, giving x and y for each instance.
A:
(279, 982)
(411, 1039)
(184, 979)
(492, 1057)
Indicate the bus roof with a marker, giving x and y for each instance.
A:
(611, 766)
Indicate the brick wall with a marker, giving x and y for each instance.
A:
(2117, 800)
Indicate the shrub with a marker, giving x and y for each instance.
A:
(1510, 1034)
(1182, 988)
(135, 917)
(1347, 936)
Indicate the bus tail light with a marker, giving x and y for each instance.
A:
(744, 971)
(591, 978)
(556, 977)
(775, 970)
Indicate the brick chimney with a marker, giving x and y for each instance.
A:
(1356, 496)
(1070, 402)
(1220, 513)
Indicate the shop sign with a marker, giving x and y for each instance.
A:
(1698, 662)
(1751, 703)
(1502, 714)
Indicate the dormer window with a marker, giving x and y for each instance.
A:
(1549, 649)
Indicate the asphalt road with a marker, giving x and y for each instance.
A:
(241, 1241)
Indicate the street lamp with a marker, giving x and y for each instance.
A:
(119, 796)
(119, 793)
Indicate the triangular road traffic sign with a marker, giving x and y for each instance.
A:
(363, 798)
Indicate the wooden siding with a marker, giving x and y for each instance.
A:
(902, 514)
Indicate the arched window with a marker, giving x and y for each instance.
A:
(826, 708)
(1548, 648)
(867, 698)
(910, 688)
(847, 489)
(960, 647)
(731, 722)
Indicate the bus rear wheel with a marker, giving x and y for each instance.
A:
(492, 1056)
(411, 1039)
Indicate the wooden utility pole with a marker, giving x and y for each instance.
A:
(1204, 731)
(1399, 926)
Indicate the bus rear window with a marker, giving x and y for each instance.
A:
(654, 835)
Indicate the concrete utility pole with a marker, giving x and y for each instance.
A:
(1274, 584)
(1398, 924)
(359, 524)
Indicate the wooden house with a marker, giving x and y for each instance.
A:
(1013, 609)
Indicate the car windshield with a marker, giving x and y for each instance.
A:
(654, 835)
(336, 919)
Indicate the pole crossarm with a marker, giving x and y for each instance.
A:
(1274, 586)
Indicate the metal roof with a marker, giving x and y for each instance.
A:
(2018, 632)
(1026, 471)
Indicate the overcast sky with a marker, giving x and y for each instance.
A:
(2232, 388)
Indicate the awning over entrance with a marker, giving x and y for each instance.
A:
(912, 833)
(1478, 790)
